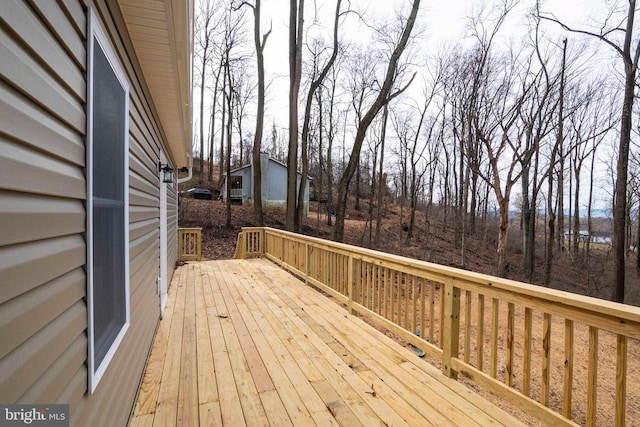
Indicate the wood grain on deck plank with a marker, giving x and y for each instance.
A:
(245, 343)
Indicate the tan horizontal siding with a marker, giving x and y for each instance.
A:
(29, 77)
(142, 213)
(43, 341)
(32, 311)
(54, 57)
(149, 251)
(23, 366)
(139, 198)
(74, 11)
(53, 258)
(59, 26)
(54, 381)
(28, 171)
(172, 235)
(143, 164)
(115, 395)
(137, 246)
(144, 279)
(139, 182)
(27, 217)
(43, 315)
(116, 391)
(144, 132)
(74, 392)
(31, 125)
(142, 228)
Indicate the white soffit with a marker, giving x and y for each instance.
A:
(162, 32)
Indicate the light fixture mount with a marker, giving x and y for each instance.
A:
(166, 171)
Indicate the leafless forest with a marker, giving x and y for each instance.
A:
(528, 136)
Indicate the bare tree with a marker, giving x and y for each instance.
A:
(260, 40)
(382, 177)
(233, 32)
(296, 21)
(317, 80)
(555, 151)
(630, 58)
(384, 96)
(204, 42)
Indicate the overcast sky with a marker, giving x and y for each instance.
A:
(442, 22)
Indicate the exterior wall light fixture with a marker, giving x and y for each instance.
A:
(167, 172)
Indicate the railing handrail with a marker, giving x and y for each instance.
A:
(582, 302)
(358, 276)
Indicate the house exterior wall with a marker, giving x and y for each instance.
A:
(277, 187)
(277, 183)
(43, 193)
(274, 184)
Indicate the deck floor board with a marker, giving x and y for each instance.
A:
(243, 342)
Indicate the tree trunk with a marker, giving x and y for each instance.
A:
(257, 140)
(229, 133)
(527, 241)
(576, 209)
(382, 99)
(550, 205)
(315, 84)
(222, 134)
(382, 177)
(296, 14)
(503, 234)
(620, 200)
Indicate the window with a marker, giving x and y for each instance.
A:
(107, 154)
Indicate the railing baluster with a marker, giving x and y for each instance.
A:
(526, 357)
(423, 324)
(546, 359)
(480, 339)
(414, 299)
(432, 312)
(567, 387)
(621, 380)
(405, 296)
(467, 326)
(440, 326)
(510, 334)
(495, 312)
(392, 293)
(351, 284)
(592, 377)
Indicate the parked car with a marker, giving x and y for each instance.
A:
(199, 193)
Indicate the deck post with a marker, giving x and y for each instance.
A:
(263, 242)
(239, 246)
(451, 327)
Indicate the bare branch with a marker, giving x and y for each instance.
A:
(602, 37)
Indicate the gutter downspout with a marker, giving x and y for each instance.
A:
(190, 175)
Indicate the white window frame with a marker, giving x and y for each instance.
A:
(96, 31)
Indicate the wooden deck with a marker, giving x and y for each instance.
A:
(243, 342)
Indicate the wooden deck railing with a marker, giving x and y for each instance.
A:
(519, 341)
(189, 244)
